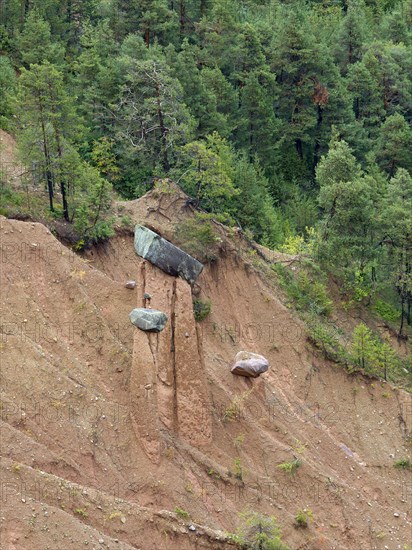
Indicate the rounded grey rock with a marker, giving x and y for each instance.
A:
(149, 320)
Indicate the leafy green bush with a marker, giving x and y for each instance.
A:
(386, 311)
(403, 464)
(8, 197)
(198, 237)
(201, 309)
(181, 513)
(259, 532)
(302, 518)
(325, 338)
(237, 469)
(305, 290)
(370, 354)
(291, 466)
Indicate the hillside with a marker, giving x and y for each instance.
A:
(115, 439)
(264, 145)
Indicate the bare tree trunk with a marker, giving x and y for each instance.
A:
(400, 333)
(182, 16)
(163, 129)
(49, 176)
(62, 179)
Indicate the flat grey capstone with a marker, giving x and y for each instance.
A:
(249, 364)
(165, 255)
(149, 320)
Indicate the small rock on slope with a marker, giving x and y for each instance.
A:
(249, 364)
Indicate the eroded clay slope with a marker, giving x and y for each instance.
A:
(106, 430)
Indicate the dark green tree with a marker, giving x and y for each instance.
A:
(151, 118)
(397, 222)
(394, 145)
(352, 35)
(8, 82)
(48, 125)
(35, 41)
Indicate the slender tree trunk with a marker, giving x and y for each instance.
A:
(25, 7)
(99, 205)
(163, 129)
(203, 7)
(316, 153)
(260, 541)
(400, 334)
(408, 295)
(299, 147)
(147, 38)
(356, 108)
(49, 176)
(198, 186)
(62, 178)
(182, 16)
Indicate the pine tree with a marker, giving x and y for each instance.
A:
(8, 83)
(364, 347)
(206, 169)
(352, 35)
(35, 41)
(258, 127)
(151, 119)
(97, 78)
(201, 100)
(397, 222)
(365, 93)
(389, 65)
(152, 18)
(394, 145)
(47, 125)
(348, 228)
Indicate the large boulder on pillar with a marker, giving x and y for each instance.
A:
(165, 255)
(149, 320)
(249, 364)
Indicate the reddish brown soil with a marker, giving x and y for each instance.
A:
(106, 430)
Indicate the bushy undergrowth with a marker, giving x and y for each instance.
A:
(198, 237)
(362, 350)
(201, 309)
(258, 531)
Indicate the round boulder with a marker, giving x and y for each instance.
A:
(130, 284)
(149, 320)
(249, 364)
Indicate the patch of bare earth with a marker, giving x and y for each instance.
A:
(106, 430)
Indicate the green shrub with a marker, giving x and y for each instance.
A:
(370, 354)
(259, 532)
(201, 309)
(305, 290)
(10, 200)
(386, 311)
(181, 513)
(403, 464)
(325, 338)
(237, 469)
(302, 518)
(291, 466)
(126, 221)
(199, 237)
